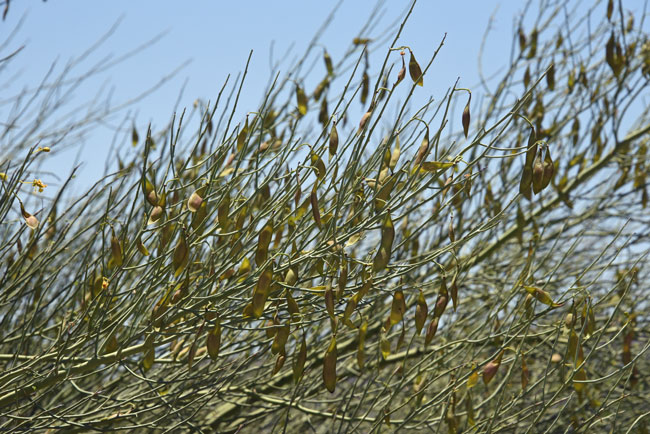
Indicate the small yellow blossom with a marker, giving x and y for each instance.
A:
(38, 185)
(3, 176)
(105, 282)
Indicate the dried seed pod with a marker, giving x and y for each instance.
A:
(116, 249)
(384, 344)
(415, 71)
(334, 140)
(491, 368)
(398, 307)
(195, 200)
(263, 242)
(365, 88)
(329, 366)
(466, 117)
(241, 137)
(328, 63)
(301, 99)
(542, 296)
(538, 173)
(262, 290)
(550, 77)
(364, 121)
(135, 138)
(181, 256)
(431, 331)
(313, 198)
(280, 340)
(421, 311)
(549, 169)
(213, 340)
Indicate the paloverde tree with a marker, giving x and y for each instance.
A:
(395, 271)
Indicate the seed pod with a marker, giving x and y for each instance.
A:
(280, 340)
(135, 138)
(263, 242)
(384, 344)
(549, 169)
(343, 278)
(466, 117)
(491, 368)
(473, 377)
(301, 98)
(30, 220)
(398, 307)
(262, 290)
(541, 296)
(610, 10)
(415, 71)
(328, 63)
(421, 311)
(323, 115)
(522, 39)
(318, 166)
(423, 151)
(299, 361)
(181, 256)
(279, 363)
(334, 140)
(241, 137)
(364, 121)
(365, 88)
(116, 249)
(292, 306)
(213, 340)
(141, 247)
(195, 200)
(527, 77)
(329, 301)
(431, 331)
(329, 366)
(538, 174)
(453, 293)
(550, 77)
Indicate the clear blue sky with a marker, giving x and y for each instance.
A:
(216, 38)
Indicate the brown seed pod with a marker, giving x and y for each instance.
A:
(538, 174)
(415, 71)
(466, 117)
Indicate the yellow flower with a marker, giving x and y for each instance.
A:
(38, 184)
(105, 282)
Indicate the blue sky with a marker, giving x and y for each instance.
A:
(216, 38)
